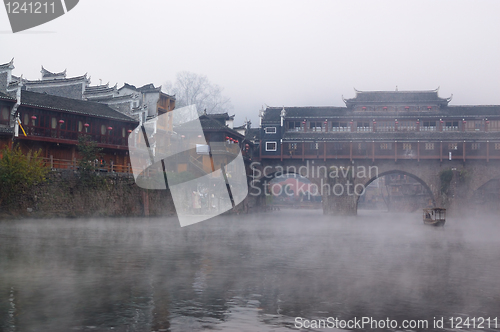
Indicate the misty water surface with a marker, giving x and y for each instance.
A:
(243, 273)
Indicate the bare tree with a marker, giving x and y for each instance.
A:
(190, 88)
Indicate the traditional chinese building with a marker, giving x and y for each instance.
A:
(383, 125)
(140, 103)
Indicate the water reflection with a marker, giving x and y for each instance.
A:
(249, 273)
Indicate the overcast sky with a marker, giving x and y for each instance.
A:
(292, 53)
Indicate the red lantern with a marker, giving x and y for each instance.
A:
(364, 107)
(407, 107)
(397, 122)
(129, 131)
(110, 128)
(61, 121)
(487, 122)
(33, 117)
(385, 107)
(441, 121)
(464, 121)
(429, 107)
(374, 122)
(236, 141)
(418, 122)
(86, 125)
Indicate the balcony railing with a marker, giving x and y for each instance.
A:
(35, 131)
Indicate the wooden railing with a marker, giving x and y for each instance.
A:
(54, 163)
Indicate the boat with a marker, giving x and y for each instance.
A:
(435, 216)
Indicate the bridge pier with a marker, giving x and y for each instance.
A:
(339, 196)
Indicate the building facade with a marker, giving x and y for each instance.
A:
(383, 125)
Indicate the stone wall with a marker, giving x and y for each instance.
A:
(65, 194)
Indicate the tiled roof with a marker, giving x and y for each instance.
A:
(410, 97)
(209, 122)
(474, 110)
(49, 74)
(4, 96)
(6, 130)
(43, 100)
(272, 114)
(253, 133)
(145, 88)
(149, 88)
(58, 81)
(8, 65)
(129, 86)
(99, 89)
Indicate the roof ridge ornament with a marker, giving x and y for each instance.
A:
(343, 99)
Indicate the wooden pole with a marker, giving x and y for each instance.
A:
(463, 153)
(487, 151)
(373, 151)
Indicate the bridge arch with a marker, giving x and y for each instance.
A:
(401, 172)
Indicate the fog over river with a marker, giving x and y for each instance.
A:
(254, 272)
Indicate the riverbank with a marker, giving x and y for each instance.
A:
(66, 194)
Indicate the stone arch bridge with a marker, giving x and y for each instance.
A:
(340, 182)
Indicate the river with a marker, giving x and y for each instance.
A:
(254, 272)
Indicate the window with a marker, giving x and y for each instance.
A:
(406, 146)
(385, 126)
(407, 126)
(361, 146)
(428, 126)
(452, 146)
(340, 126)
(270, 130)
(494, 125)
(103, 130)
(316, 126)
(429, 146)
(474, 125)
(363, 126)
(314, 146)
(385, 146)
(294, 126)
(476, 146)
(26, 119)
(338, 146)
(53, 123)
(5, 113)
(271, 146)
(123, 132)
(450, 126)
(80, 126)
(292, 146)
